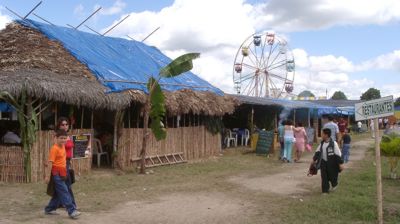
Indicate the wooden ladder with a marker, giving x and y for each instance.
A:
(162, 160)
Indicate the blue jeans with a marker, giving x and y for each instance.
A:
(69, 183)
(61, 196)
(288, 149)
(346, 152)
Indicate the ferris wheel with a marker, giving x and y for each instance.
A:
(264, 67)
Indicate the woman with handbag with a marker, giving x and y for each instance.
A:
(301, 140)
(63, 124)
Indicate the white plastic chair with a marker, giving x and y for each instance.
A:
(245, 137)
(98, 151)
(230, 138)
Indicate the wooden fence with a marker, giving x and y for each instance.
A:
(12, 164)
(195, 143)
(40, 154)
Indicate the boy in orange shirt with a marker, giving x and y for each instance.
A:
(57, 168)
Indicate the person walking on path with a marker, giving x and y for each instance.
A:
(57, 171)
(333, 127)
(301, 140)
(63, 123)
(281, 133)
(342, 125)
(329, 154)
(346, 140)
(288, 141)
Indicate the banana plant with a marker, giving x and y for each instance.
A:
(154, 107)
(28, 122)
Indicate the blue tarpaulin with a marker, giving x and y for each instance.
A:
(118, 63)
(5, 107)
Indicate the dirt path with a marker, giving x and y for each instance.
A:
(210, 206)
(294, 181)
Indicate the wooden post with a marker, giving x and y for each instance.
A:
(91, 120)
(129, 117)
(115, 137)
(309, 117)
(252, 121)
(378, 172)
(83, 111)
(55, 117)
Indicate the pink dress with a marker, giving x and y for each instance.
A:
(300, 136)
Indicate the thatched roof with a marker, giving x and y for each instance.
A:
(52, 73)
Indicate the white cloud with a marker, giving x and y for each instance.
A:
(216, 29)
(4, 19)
(295, 15)
(389, 61)
(116, 8)
(79, 10)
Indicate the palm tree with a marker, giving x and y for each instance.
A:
(154, 107)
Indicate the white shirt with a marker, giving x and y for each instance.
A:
(11, 137)
(334, 129)
(359, 124)
(336, 150)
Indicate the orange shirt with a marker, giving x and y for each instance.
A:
(58, 157)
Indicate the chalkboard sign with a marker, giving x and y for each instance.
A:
(264, 143)
(81, 142)
(310, 135)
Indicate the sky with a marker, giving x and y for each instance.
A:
(346, 45)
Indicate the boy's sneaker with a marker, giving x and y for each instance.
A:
(54, 212)
(74, 214)
(334, 188)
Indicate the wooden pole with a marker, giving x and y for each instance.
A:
(309, 117)
(115, 137)
(83, 112)
(378, 172)
(91, 120)
(252, 120)
(55, 117)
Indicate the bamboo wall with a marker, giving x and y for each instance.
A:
(195, 143)
(12, 164)
(40, 154)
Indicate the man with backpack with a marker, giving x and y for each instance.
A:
(328, 159)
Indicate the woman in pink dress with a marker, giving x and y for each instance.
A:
(301, 141)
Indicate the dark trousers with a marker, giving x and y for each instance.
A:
(61, 196)
(69, 183)
(329, 174)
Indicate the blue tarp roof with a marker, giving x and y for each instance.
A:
(295, 104)
(118, 63)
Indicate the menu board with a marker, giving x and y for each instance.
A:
(81, 143)
(310, 135)
(264, 142)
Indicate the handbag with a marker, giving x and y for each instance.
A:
(312, 170)
(72, 175)
(50, 187)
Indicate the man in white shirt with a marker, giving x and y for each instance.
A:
(330, 155)
(11, 137)
(359, 126)
(333, 127)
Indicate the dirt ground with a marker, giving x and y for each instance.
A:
(210, 205)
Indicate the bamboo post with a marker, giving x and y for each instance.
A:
(83, 111)
(55, 116)
(309, 117)
(294, 116)
(129, 117)
(91, 120)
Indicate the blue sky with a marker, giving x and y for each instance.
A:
(338, 45)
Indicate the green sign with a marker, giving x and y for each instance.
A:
(264, 143)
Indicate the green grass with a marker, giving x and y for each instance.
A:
(353, 202)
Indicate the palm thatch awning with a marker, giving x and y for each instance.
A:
(30, 60)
